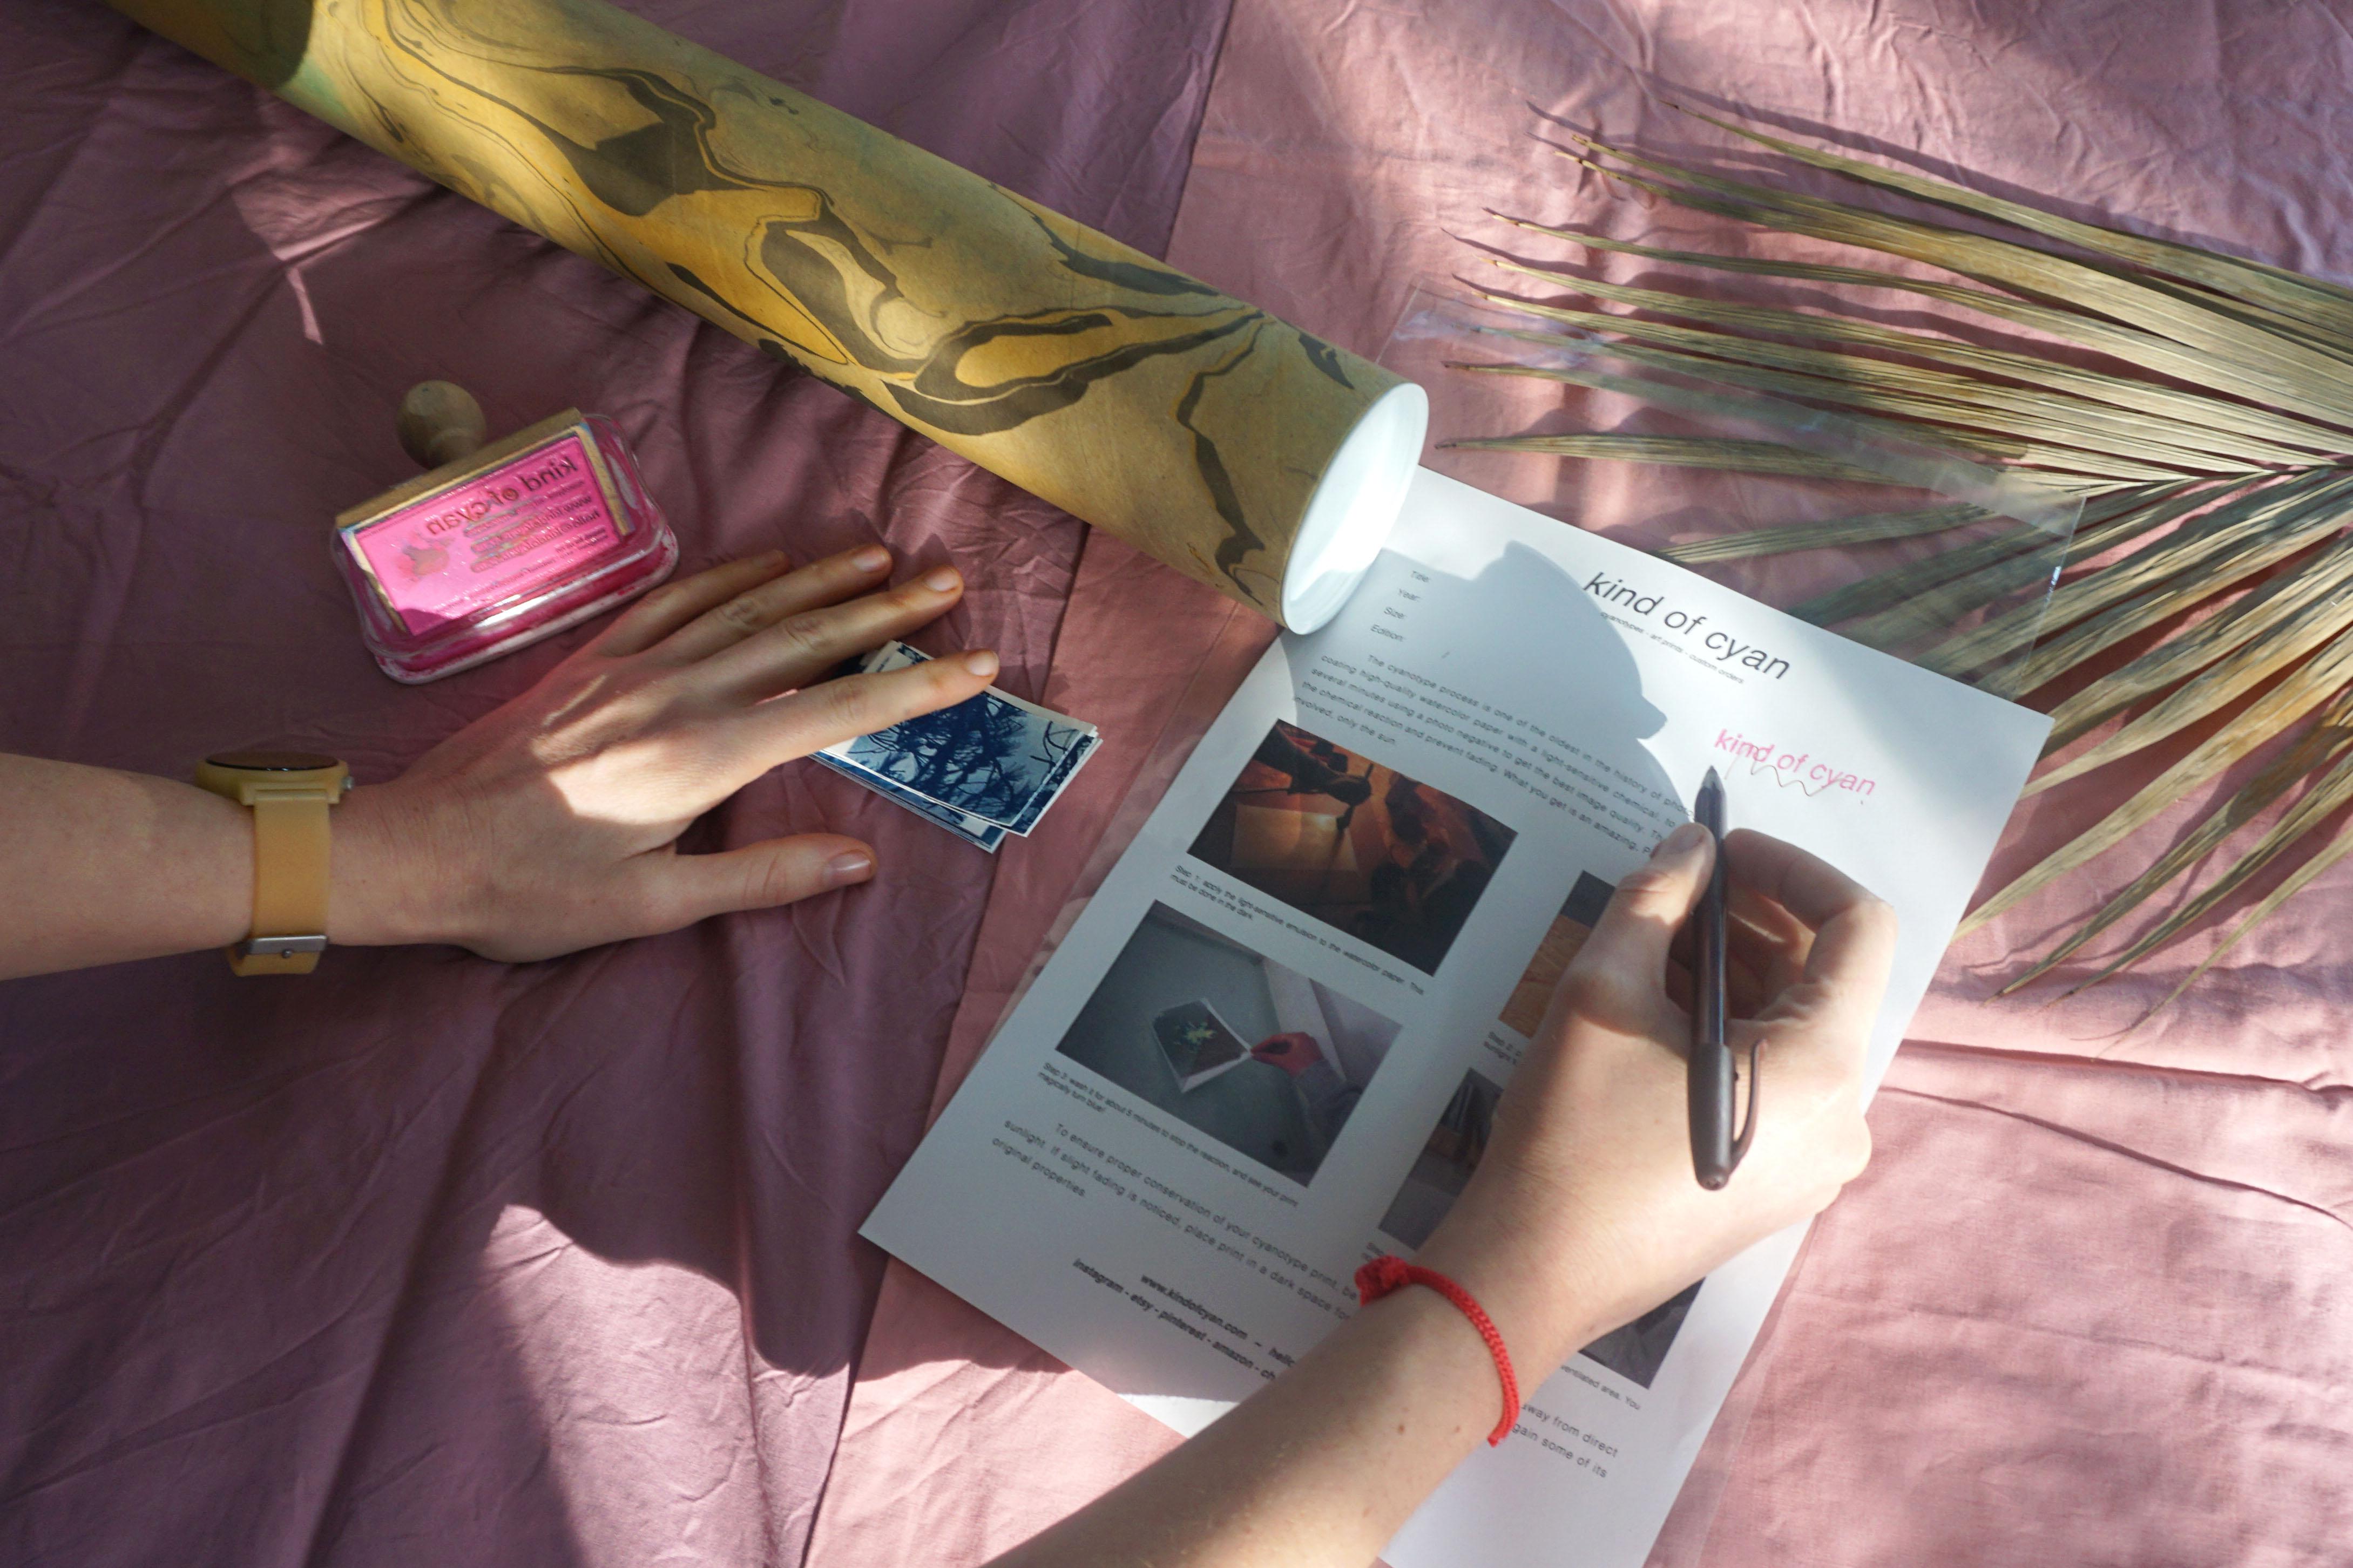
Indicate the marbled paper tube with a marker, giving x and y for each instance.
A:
(1239, 449)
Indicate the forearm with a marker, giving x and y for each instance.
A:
(107, 866)
(1319, 1468)
(104, 866)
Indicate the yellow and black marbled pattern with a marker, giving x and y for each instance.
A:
(1138, 398)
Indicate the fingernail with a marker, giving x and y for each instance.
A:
(873, 558)
(1684, 840)
(850, 866)
(981, 663)
(942, 580)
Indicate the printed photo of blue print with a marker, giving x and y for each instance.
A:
(1442, 1170)
(1199, 1044)
(982, 768)
(1242, 1049)
(972, 829)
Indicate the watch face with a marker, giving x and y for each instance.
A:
(274, 762)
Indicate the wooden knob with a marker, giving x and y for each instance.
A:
(440, 423)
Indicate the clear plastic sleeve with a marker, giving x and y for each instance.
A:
(1851, 522)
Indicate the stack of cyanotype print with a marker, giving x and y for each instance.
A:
(982, 768)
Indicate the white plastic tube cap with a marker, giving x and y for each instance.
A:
(1355, 506)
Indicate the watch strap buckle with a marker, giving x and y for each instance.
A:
(281, 946)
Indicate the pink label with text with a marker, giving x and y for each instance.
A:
(520, 527)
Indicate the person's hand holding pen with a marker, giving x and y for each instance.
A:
(1584, 1214)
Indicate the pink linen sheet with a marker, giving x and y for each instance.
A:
(424, 1258)
(2085, 1306)
(553, 1264)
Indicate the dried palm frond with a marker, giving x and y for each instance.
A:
(2213, 454)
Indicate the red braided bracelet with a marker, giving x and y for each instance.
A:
(1385, 1274)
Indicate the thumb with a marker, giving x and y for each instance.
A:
(1630, 943)
(758, 875)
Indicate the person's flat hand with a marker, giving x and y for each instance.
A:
(551, 825)
(1584, 1211)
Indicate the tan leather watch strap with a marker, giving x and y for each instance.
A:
(289, 884)
(289, 793)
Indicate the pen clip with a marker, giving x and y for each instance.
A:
(1747, 1123)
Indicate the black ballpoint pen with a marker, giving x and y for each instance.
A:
(1711, 1075)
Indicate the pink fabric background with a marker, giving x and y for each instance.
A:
(2083, 1308)
(553, 1264)
(427, 1257)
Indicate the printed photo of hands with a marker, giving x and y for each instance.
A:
(1243, 1049)
(1355, 843)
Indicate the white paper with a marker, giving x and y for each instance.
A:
(1545, 690)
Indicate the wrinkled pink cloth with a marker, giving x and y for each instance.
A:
(425, 1258)
(2084, 1308)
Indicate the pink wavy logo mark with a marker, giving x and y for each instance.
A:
(1801, 771)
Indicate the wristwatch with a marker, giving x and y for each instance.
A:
(289, 793)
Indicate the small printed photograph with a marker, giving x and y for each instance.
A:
(1447, 1157)
(1353, 843)
(1561, 942)
(1237, 1046)
(992, 756)
(1199, 1044)
(1442, 1170)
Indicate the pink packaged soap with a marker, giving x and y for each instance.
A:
(504, 545)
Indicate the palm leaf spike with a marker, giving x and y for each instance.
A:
(1994, 566)
(2246, 534)
(2215, 553)
(2328, 856)
(2213, 458)
(2088, 638)
(1910, 453)
(1975, 445)
(2317, 749)
(1982, 431)
(1866, 528)
(1722, 453)
(2304, 689)
(2186, 443)
(2252, 282)
(2222, 682)
(2173, 402)
(2314, 807)
(2149, 350)
(2252, 616)
(2306, 310)
(1893, 451)
(2213, 347)
(1924, 595)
